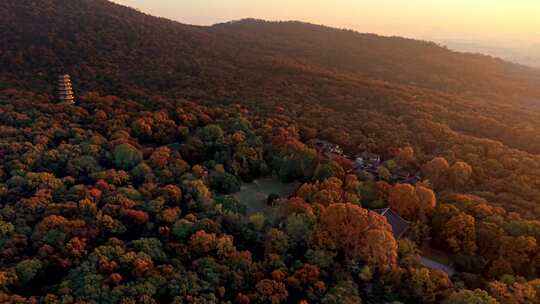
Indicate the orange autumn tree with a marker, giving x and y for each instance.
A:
(516, 255)
(358, 233)
(514, 292)
(405, 156)
(412, 203)
(441, 174)
(459, 174)
(460, 233)
(436, 171)
(331, 190)
(160, 157)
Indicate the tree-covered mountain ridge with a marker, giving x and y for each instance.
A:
(117, 50)
(147, 190)
(83, 35)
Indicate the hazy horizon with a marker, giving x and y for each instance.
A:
(495, 27)
(494, 20)
(144, 160)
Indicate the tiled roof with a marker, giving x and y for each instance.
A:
(399, 224)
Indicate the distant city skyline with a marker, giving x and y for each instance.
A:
(490, 24)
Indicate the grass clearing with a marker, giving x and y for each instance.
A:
(255, 194)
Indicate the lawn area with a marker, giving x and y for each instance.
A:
(254, 195)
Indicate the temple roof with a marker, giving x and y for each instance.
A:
(399, 224)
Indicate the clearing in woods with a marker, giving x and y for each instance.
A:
(255, 194)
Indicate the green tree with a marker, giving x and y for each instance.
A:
(82, 166)
(126, 156)
(211, 134)
(231, 204)
(466, 296)
(323, 172)
(152, 247)
(344, 292)
(28, 269)
(225, 182)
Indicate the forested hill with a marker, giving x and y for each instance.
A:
(392, 59)
(149, 189)
(108, 47)
(116, 50)
(358, 90)
(105, 46)
(342, 85)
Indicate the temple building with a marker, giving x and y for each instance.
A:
(399, 224)
(65, 90)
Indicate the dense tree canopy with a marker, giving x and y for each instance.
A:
(133, 195)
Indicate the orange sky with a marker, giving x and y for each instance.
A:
(481, 20)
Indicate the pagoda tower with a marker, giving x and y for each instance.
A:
(65, 90)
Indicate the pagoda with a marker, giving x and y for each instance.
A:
(65, 90)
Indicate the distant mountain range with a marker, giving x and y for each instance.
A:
(112, 200)
(526, 54)
(110, 47)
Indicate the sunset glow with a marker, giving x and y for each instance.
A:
(270, 151)
(486, 20)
